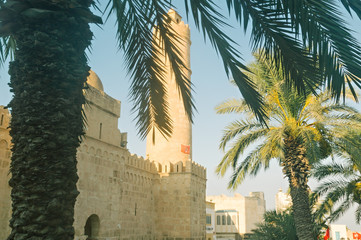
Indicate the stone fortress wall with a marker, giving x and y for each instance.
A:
(122, 195)
(5, 153)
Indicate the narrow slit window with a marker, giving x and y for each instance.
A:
(100, 130)
(2, 119)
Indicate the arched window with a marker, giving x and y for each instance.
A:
(91, 229)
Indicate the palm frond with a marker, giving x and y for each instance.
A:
(170, 40)
(341, 189)
(249, 166)
(232, 106)
(9, 46)
(144, 57)
(271, 31)
(355, 5)
(326, 39)
(210, 21)
(322, 171)
(7, 49)
(345, 205)
(232, 156)
(348, 146)
(237, 128)
(358, 214)
(258, 158)
(325, 33)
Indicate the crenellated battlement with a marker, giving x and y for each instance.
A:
(196, 169)
(181, 167)
(143, 164)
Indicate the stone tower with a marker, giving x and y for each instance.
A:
(180, 191)
(178, 147)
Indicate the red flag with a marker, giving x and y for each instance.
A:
(327, 235)
(185, 149)
(356, 235)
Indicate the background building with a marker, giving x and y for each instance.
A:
(283, 201)
(340, 232)
(210, 221)
(237, 216)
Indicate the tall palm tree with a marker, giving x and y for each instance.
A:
(341, 188)
(302, 129)
(49, 71)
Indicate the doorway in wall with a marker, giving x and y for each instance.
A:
(91, 228)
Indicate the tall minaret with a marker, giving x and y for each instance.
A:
(178, 147)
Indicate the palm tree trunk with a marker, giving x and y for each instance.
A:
(296, 167)
(47, 79)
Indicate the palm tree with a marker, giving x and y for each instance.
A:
(341, 188)
(302, 129)
(48, 74)
(278, 226)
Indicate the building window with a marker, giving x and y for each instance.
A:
(218, 220)
(2, 119)
(223, 220)
(229, 220)
(100, 130)
(338, 236)
(208, 219)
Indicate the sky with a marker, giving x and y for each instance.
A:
(211, 87)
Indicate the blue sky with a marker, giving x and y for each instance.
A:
(211, 86)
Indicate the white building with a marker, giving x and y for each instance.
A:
(340, 232)
(283, 201)
(237, 216)
(210, 221)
